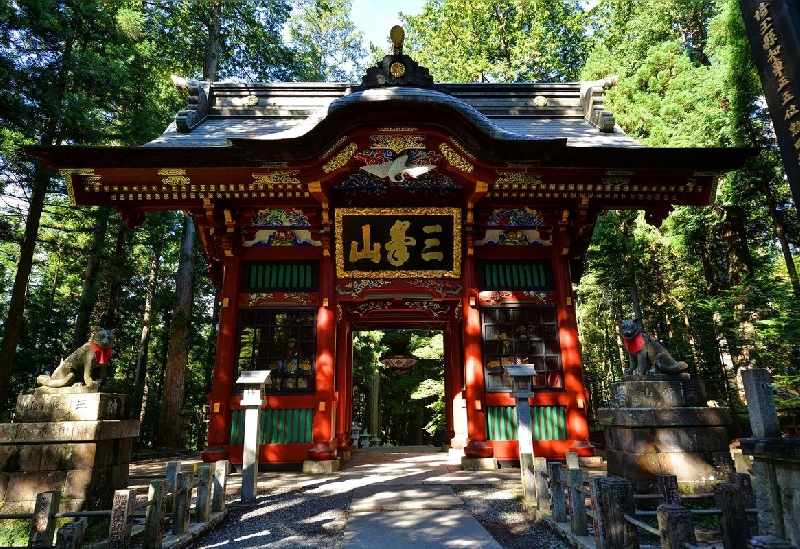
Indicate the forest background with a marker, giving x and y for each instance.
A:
(717, 284)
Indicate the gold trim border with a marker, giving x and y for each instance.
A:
(457, 242)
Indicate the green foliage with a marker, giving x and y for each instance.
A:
(715, 283)
(329, 48)
(498, 40)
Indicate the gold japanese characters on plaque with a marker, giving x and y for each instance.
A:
(398, 242)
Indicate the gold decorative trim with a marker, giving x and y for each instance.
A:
(176, 181)
(67, 175)
(341, 159)
(616, 180)
(518, 178)
(398, 143)
(272, 165)
(251, 100)
(619, 172)
(333, 147)
(398, 129)
(276, 177)
(171, 171)
(455, 159)
(460, 146)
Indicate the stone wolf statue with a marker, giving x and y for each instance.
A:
(646, 354)
(77, 368)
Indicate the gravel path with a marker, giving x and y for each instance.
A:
(300, 519)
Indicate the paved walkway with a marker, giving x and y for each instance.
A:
(402, 497)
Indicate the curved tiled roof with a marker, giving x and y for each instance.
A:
(512, 112)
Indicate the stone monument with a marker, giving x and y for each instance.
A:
(75, 443)
(660, 423)
(68, 437)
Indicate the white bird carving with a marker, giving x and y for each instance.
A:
(396, 170)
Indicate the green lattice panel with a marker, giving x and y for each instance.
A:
(287, 426)
(547, 422)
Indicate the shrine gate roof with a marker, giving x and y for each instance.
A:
(571, 111)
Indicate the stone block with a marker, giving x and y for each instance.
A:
(654, 439)
(323, 467)
(478, 464)
(57, 457)
(9, 457)
(664, 417)
(124, 450)
(30, 457)
(25, 485)
(8, 433)
(69, 407)
(649, 393)
(3, 486)
(87, 484)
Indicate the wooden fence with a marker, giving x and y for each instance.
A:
(605, 508)
(167, 497)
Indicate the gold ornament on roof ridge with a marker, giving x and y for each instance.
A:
(455, 159)
(341, 159)
(171, 171)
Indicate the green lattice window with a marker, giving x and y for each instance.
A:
(515, 275)
(281, 276)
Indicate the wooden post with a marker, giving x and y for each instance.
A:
(557, 491)
(70, 535)
(155, 514)
(618, 502)
(675, 525)
(733, 522)
(542, 492)
(119, 531)
(572, 460)
(220, 485)
(745, 484)
(183, 499)
(668, 487)
(173, 468)
(577, 508)
(597, 487)
(203, 505)
(43, 524)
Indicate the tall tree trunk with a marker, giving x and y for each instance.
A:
(211, 57)
(791, 269)
(16, 306)
(139, 376)
(177, 356)
(89, 291)
(109, 316)
(740, 269)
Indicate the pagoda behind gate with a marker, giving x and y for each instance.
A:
(327, 208)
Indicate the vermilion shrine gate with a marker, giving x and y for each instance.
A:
(324, 209)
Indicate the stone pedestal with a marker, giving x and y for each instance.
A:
(660, 424)
(75, 443)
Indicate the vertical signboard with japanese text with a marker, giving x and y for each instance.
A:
(773, 28)
(398, 242)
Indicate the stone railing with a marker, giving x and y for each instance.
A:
(167, 497)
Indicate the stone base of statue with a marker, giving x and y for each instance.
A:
(661, 424)
(74, 443)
